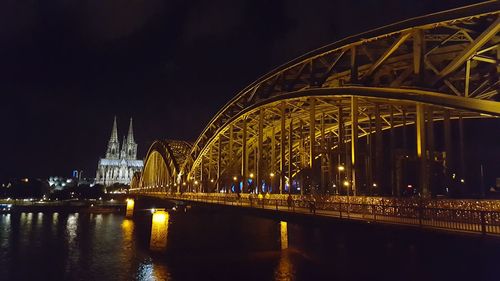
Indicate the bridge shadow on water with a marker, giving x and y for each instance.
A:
(209, 243)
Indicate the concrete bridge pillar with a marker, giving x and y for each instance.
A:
(159, 230)
(130, 208)
(284, 235)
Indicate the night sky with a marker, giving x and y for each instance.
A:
(67, 67)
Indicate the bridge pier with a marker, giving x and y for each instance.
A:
(130, 208)
(284, 235)
(159, 230)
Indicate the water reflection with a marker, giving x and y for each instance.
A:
(72, 227)
(211, 246)
(285, 270)
(147, 270)
(128, 230)
(4, 231)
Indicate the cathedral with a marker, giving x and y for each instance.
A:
(120, 164)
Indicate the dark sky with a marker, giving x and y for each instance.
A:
(66, 66)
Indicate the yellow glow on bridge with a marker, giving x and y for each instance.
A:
(130, 208)
(159, 230)
(284, 234)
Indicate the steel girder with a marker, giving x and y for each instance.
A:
(257, 142)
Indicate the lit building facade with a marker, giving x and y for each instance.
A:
(120, 164)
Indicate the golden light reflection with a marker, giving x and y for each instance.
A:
(128, 229)
(130, 208)
(285, 270)
(284, 234)
(159, 230)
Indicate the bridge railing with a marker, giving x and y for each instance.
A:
(421, 215)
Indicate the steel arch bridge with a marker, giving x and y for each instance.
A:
(162, 166)
(316, 124)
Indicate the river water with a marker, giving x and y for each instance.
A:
(205, 245)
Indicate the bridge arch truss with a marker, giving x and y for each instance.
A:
(317, 123)
(161, 167)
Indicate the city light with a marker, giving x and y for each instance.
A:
(346, 183)
(195, 182)
(271, 175)
(251, 175)
(235, 178)
(341, 168)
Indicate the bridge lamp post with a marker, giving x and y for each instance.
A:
(271, 175)
(340, 169)
(347, 185)
(235, 179)
(251, 177)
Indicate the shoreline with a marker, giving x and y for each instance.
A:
(97, 206)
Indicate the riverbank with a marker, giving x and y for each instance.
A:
(90, 206)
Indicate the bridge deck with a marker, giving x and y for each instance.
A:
(485, 222)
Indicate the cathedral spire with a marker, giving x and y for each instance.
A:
(123, 152)
(113, 151)
(130, 138)
(114, 132)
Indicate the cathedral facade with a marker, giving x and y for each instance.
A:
(120, 163)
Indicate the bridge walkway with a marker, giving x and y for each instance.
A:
(454, 220)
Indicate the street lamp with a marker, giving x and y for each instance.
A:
(340, 169)
(346, 184)
(272, 179)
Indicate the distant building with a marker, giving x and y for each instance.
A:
(60, 183)
(120, 164)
